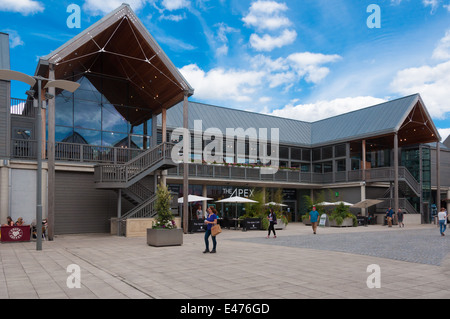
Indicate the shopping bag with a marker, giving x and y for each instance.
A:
(215, 230)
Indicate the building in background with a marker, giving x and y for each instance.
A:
(109, 143)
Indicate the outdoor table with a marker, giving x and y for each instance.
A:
(15, 233)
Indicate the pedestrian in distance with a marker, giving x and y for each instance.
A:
(210, 221)
(442, 216)
(272, 222)
(400, 218)
(389, 215)
(314, 219)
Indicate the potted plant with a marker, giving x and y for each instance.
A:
(164, 232)
(341, 217)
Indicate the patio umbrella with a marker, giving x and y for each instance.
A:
(367, 203)
(274, 204)
(236, 200)
(342, 202)
(324, 204)
(193, 198)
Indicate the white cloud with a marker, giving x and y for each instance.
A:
(220, 84)
(14, 38)
(434, 4)
(267, 15)
(309, 64)
(251, 84)
(444, 133)
(222, 38)
(24, 7)
(432, 82)
(325, 109)
(175, 4)
(99, 7)
(268, 42)
(442, 51)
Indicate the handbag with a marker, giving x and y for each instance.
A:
(215, 230)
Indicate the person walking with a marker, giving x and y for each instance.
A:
(210, 221)
(389, 214)
(272, 221)
(442, 216)
(314, 219)
(400, 218)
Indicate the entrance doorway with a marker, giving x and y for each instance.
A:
(291, 210)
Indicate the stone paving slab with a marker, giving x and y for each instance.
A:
(247, 266)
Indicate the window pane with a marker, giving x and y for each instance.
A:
(113, 120)
(90, 136)
(115, 139)
(87, 115)
(64, 109)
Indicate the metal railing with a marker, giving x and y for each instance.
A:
(22, 107)
(145, 210)
(123, 173)
(294, 176)
(76, 152)
(403, 203)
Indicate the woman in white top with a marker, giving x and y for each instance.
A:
(442, 216)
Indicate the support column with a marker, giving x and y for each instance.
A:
(119, 211)
(396, 172)
(205, 203)
(4, 190)
(186, 151)
(364, 160)
(51, 157)
(164, 139)
(438, 176)
(363, 197)
(154, 138)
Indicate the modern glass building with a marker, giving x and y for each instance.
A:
(110, 142)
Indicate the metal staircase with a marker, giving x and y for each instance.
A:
(129, 179)
(122, 176)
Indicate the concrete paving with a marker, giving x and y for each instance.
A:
(414, 262)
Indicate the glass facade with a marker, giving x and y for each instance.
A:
(87, 117)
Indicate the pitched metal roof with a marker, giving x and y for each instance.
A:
(290, 131)
(375, 120)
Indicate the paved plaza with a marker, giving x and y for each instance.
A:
(414, 262)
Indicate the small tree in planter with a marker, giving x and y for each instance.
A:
(340, 213)
(164, 220)
(164, 232)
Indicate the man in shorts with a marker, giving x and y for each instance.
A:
(314, 218)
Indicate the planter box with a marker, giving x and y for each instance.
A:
(164, 237)
(348, 222)
(280, 224)
(306, 222)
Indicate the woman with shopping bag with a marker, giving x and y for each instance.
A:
(210, 221)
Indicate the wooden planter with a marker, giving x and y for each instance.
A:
(164, 237)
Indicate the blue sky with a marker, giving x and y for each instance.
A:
(303, 59)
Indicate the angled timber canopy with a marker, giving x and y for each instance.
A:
(120, 48)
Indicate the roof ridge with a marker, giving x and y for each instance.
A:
(367, 107)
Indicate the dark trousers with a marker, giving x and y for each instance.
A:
(207, 234)
(272, 228)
